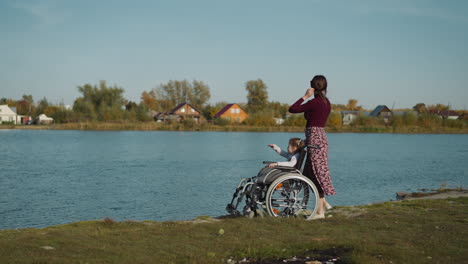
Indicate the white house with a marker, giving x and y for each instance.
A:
(8, 114)
(279, 120)
(43, 119)
(349, 116)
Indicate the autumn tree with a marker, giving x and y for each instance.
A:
(149, 100)
(25, 106)
(338, 107)
(352, 105)
(437, 108)
(257, 95)
(335, 120)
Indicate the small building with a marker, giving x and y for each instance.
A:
(8, 114)
(24, 120)
(445, 114)
(348, 117)
(233, 112)
(42, 119)
(382, 111)
(449, 114)
(165, 116)
(279, 120)
(181, 112)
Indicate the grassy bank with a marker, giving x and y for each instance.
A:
(414, 231)
(153, 126)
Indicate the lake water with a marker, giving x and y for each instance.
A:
(57, 177)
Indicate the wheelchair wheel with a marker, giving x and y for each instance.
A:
(292, 195)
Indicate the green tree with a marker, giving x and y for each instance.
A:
(278, 109)
(84, 110)
(175, 92)
(209, 111)
(200, 94)
(41, 106)
(100, 102)
(59, 113)
(28, 98)
(142, 113)
(257, 96)
(131, 106)
(420, 108)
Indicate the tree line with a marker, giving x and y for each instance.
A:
(101, 102)
(104, 103)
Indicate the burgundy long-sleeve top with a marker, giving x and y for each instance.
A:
(316, 111)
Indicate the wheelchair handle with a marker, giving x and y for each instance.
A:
(268, 162)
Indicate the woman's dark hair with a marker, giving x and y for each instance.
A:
(319, 83)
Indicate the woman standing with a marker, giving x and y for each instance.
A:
(316, 112)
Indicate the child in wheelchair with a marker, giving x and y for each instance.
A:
(294, 147)
(279, 189)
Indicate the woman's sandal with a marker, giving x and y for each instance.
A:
(317, 216)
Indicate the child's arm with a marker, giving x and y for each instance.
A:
(290, 163)
(280, 151)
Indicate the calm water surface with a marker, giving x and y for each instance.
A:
(57, 177)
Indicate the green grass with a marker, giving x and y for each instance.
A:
(417, 231)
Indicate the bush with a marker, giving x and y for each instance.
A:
(295, 120)
(362, 120)
(429, 120)
(222, 121)
(335, 120)
(409, 119)
(189, 123)
(7, 123)
(263, 118)
(454, 123)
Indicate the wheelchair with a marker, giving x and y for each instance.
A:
(279, 192)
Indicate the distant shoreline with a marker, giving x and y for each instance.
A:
(152, 126)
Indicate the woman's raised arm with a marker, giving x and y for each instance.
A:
(298, 107)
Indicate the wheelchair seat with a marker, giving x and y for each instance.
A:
(268, 175)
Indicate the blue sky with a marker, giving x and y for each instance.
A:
(391, 52)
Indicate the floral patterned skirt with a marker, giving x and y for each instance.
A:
(316, 167)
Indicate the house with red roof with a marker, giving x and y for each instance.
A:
(233, 112)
